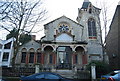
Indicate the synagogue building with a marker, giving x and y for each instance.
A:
(67, 44)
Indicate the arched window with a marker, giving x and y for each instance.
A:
(51, 58)
(92, 28)
(23, 58)
(31, 56)
(38, 57)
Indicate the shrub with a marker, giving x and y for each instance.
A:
(102, 68)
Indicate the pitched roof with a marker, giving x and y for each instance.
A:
(85, 5)
(63, 17)
(115, 16)
(30, 43)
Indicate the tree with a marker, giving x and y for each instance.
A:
(105, 20)
(105, 17)
(102, 68)
(24, 38)
(20, 17)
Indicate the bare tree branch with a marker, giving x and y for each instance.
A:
(21, 16)
(5, 28)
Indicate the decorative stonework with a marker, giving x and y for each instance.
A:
(63, 28)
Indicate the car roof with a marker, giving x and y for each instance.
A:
(47, 73)
(44, 73)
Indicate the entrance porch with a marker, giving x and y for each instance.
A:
(64, 57)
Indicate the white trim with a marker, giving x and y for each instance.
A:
(10, 51)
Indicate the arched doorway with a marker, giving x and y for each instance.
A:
(64, 54)
(79, 49)
(80, 53)
(48, 56)
(48, 49)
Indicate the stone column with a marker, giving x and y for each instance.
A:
(37, 70)
(73, 61)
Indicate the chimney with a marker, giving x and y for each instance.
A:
(33, 37)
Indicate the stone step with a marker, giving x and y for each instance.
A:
(66, 73)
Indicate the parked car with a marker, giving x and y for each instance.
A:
(112, 76)
(3, 79)
(44, 76)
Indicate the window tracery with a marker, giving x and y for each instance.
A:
(92, 28)
(63, 28)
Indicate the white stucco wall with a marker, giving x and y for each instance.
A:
(3, 50)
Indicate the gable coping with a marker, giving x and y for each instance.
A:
(64, 17)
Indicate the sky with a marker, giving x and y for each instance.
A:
(69, 8)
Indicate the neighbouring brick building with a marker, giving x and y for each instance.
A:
(67, 44)
(112, 40)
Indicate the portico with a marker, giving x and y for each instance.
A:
(65, 56)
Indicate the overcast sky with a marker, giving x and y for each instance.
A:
(69, 8)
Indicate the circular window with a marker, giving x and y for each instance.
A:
(63, 28)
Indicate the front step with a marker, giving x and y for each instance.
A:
(66, 73)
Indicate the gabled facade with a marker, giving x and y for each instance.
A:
(63, 29)
(6, 52)
(63, 44)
